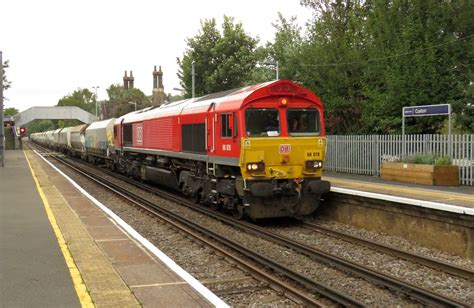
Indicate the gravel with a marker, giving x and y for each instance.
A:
(204, 265)
(421, 276)
(199, 260)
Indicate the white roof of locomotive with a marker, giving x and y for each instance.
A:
(178, 107)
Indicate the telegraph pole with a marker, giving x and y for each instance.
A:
(2, 129)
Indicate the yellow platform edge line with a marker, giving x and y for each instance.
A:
(78, 282)
(421, 191)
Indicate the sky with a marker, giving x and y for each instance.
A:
(55, 47)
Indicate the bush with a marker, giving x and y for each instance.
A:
(428, 159)
(443, 161)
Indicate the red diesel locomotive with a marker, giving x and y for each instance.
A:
(256, 151)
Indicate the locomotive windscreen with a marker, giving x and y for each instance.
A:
(193, 138)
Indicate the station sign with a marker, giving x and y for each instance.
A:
(428, 110)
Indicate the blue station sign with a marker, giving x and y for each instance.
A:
(428, 110)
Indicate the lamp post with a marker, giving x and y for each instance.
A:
(277, 68)
(133, 103)
(95, 88)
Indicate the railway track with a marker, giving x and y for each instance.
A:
(422, 260)
(422, 295)
(203, 235)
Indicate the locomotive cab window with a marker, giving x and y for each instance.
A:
(226, 125)
(303, 122)
(261, 122)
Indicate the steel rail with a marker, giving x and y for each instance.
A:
(420, 294)
(308, 283)
(423, 295)
(422, 260)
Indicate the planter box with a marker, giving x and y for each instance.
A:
(421, 174)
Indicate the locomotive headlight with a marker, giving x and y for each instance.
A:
(260, 166)
(317, 164)
(313, 164)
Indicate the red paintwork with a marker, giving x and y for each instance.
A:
(161, 127)
(160, 133)
(117, 134)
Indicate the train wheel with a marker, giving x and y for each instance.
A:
(238, 211)
(196, 197)
(214, 206)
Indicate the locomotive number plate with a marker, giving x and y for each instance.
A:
(312, 154)
(284, 148)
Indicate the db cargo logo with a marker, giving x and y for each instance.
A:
(139, 134)
(284, 148)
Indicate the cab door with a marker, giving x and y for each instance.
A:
(211, 121)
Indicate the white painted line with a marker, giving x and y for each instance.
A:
(159, 284)
(415, 202)
(211, 297)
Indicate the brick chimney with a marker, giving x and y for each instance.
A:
(125, 81)
(158, 94)
(160, 79)
(131, 80)
(128, 81)
(155, 78)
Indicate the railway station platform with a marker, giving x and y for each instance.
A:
(436, 217)
(59, 249)
(462, 196)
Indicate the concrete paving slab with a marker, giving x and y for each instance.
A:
(136, 266)
(104, 284)
(33, 272)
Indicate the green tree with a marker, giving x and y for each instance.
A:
(368, 59)
(175, 98)
(6, 83)
(332, 61)
(223, 60)
(120, 98)
(264, 69)
(10, 112)
(82, 98)
(422, 57)
(40, 126)
(287, 48)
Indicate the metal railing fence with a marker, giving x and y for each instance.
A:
(363, 154)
